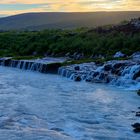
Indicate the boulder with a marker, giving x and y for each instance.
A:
(118, 65)
(95, 74)
(136, 75)
(136, 127)
(119, 54)
(77, 78)
(77, 68)
(107, 67)
(138, 114)
(138, 92)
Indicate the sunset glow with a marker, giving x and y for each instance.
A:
(10, 7)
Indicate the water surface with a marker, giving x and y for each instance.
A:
(36, 106)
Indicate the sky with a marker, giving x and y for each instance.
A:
(12, 7)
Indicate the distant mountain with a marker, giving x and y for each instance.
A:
(39, 21)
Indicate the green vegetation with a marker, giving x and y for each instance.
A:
(61, 42)
(88, 60)
(26, 57)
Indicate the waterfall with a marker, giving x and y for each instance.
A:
(30, 65)
(120, 73)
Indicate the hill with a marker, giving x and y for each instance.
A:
(39, 21)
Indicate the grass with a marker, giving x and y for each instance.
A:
(88, 60)
(26, 57)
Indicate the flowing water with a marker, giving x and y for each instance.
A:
(36, 106)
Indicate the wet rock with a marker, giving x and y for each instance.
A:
(136, 127)
(107, 67)
(116, 72)
(138, 92)
(7, 62)
(77, 67)
(119, 54)
(88, 80)
(135, 55)
(102, 76)
(52, 68)
(77, 79)
(136, 75)
(138, 114)
(118, 65)
(95, 74)
(137, 130)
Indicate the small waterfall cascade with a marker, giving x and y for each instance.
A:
(125, 73)
(30, 65)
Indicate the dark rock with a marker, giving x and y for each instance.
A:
(136, 130)
(107, 67)
(51, 68)
(136, 125)
(107, 80)
(102, 76)
(7, 62)
(138, 114)
(138, 107)
(118, 65)
(116, 71)
(95, 74)
(77, 67)
(136, 75)
(88, 80)
(77, 79)
(138, 92)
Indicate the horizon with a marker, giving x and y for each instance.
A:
(14, 7)
(35, 12)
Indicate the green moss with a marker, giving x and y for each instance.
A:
(88, 60)
(26, 57)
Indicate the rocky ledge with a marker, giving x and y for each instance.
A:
(45, 65)
(118, 72)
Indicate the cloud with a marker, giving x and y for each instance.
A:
(10, 7)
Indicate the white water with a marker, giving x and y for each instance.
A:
(88, 72)
(36, 106)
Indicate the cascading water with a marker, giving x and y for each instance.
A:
(43, 67)
(120, 73)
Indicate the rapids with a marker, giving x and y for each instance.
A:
(35, 106)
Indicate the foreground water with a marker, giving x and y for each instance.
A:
(36, 106)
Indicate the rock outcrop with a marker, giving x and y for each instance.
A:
(43, 65)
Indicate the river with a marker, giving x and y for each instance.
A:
(35, 106)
